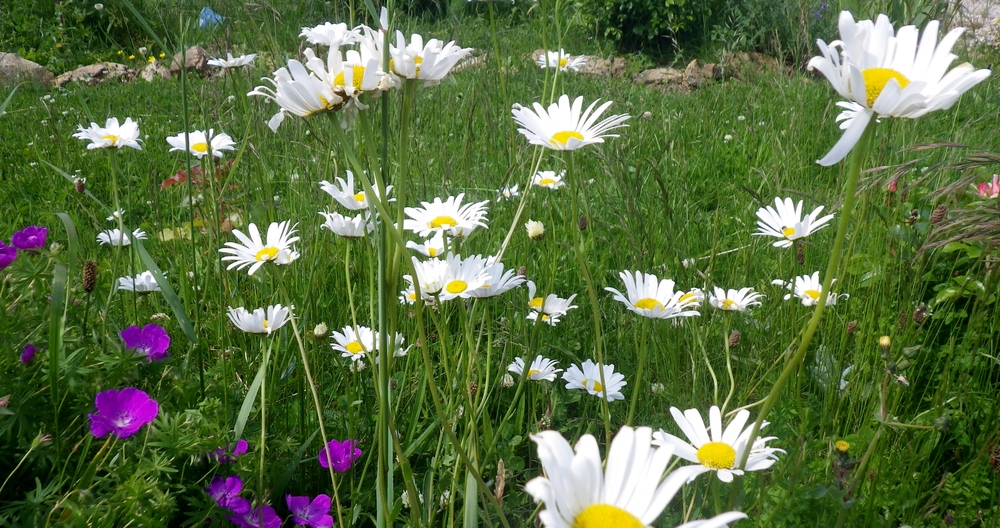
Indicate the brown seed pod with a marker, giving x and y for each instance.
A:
(89, 276)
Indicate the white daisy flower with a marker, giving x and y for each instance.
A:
(343, 193)
(588, 377)
(118, 239)
(354, 343)
(648, 297)
(714, 448)
(560, 59)
(449, 216)
(349, 73)
(141, 283)
(116, 215)
(541, 368)
(260, 321)
(549, 179)
(785, 221)
(333, 35)
(112, 134)
(550, 308)
(629, 491)
(431, 247)
(429, 63)
(430, 277)
(254, 252)
(462, 277)
(202, 144)
(346, 226)
(693, 298)
(509, 192)
(562, 127)
(808, 289)
(299, 93)
(232, 62)
(889, 74)
(500, 281)
(734, 300)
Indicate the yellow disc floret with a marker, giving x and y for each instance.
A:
(442, 221)
(200, 147)
(717, 455)
(606, 516)
(563, 137)
(648, 304)
(266, 254)
(457, 286)
(877, 78)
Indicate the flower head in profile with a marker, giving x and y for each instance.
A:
(339, 455)
(990, 189)
(430, 279)
(232, 62)
(225, 491)
(562, 60)
(550, 308)
(121, 412)
(450, 217)
(808, 289)
(150, 341)
(116, 215)
(714, 448)
(255, 252)
(28, 353)
(332, 35)
(112, 134)
(549, 179)
(431, 247)
(261, 320)
(734, 300)
(562, 127)
(462, 276)
(500, 280)
(630, 491)
(785, 221)
(509, 192)
(31, 238)
(588, 377)
(541, 368)
(117, 238)
(314, 513)
(344, 193)
(650, 297)
(201, 143)
(428, 62)
(889, 73)
(7, 255)
(346, 226)
(297, 92)
(354, 342)
(142, 283)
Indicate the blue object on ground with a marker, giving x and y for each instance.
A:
(209, 17)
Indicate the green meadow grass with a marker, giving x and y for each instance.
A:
(671, 188)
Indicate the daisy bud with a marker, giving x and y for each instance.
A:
(89, 276)
(884, 343)
(320, 330)
(920, 314)
(939, 213)
(942, 423)
(535, 229)
(734, 339)
(582, 224)
(657, 388)
(522, 271)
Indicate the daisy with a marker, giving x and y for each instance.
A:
(734, 300)
(785, 221)
(111, 134)
(461, 277)
(347, 227)
(550, 308)
(431, 247)
(354, 343)
(808, 289)
(655, 299)
(343, 193)
(629, 491)
(201, 144)
(450, 217)
(509, 192)
(588, 377)
(888, 73)
(255, 253)
(717, 449)
(118, 239)
(116, 215)
(693, 298)
(333, 35)
(430, 277)
(297, 92)
(233, 62)
(549, 179)
(349, 73)
(141, 283)
(500, 281)
(562, 127)
(541, 368)
(429, 63)
(560, 59)
(260, 321)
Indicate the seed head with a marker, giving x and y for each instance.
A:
(939, 213)
(89, 276)
(734, 339)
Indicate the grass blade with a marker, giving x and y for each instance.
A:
(167, 290)
(241, 419)
(3, 105)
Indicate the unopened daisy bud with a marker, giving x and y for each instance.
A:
(320, 330)
(852, 327)
(535, 229)
(734, 339)
(920, 314)
(89, 276)
(842, 446)
(80, 184)
(884, 342)
(939, 213)
(582, 224)
(507, 381)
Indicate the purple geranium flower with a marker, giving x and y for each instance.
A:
(28, 354)
(150, 341)
(7, 254)
(262, 516)
(315, 513)
(224, 455)
(31, 238)
(225, 492)
(122, 412)
(340, 455)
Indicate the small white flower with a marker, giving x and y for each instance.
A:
(727, 138)
(562, 127)
(647, 296)
(333, 35)
(536, 230)
(550, 308)
(785, 221)
(118, 239)
(462, 276)
(431, 247)
(449, 216)
(354, 342)
(111, 134)
(116, 215)
(320, 330)
(201, 143)
(254, 252)
(500, 280)
(540, 369)
(141, 283)
(588, 377)
(509, 192)
(347, 227)
(734, 300)
(343, 193)
(260, 321)
(507, 381)
(549, 179)
(560, 59)
(231, 62)
(808, 289)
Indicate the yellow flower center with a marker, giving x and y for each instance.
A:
(355, 347)
(687, 298)
(606, 516)
(456, 286)
(813, 294)
(266, 324)
(327, 104)
(267, 253)
(432, 252)
(788, 231)
(877, 78)
(547, 181)
(728, 304)
(532, 372)
(536, 303)
(842, 446)
(111, 137)
(442, 221)
(717, 455)
(597, 385)
(648, 304)
(563, 137)
(200, 147)
(357, 75)
(563, 61)
(360, 197)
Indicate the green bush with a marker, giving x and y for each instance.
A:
(649, 23)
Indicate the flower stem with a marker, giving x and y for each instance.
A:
(639, 370)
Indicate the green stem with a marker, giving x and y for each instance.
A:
(639, 370)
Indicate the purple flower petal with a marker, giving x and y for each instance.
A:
(262, 516)
(339, 455)
(305, 513)
(31, 238)
(150, 341)
(28, 354)
(7, 255)
(122, 412)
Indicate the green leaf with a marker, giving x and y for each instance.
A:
(241, 419)
(166, 290)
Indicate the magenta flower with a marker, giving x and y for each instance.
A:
(225, 492)
(150, 341)
(7, 254)
(31, 238)
(122, 412)
(224, 455)
(262, 516)
(315, 513)
(28, 354)
(986, 189)
(339, 455)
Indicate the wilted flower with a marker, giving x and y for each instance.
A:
(320, 330)
(536, 229)
(339, 455)
(122, 412)
(990, 189)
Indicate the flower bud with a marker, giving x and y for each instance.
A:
(535, 229)
(320, 330)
